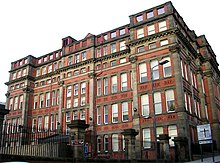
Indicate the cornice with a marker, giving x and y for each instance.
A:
(151, 37)
(27, 77)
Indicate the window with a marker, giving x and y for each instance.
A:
(163, 42)
(206, 112)
(16, 103)
(172, 131)
(159, 131)
(106, 143)
(83, 88)
(83, 70)
(162, 26)
(39, 124)
(57, 54)
(82, 114)
(139, 18)
(146, 138)
(99, 144)
(105, 107)
(124, 85)
(189, 102)
(69, 74)
(98, 115)
(106, 37)
(170, 102)
(68, 91)
(55, 66)
(115, 146)
(160, 11)
(50, 68)
(105, 50)
(122, 45)
(98, 87)
(68, 103)
(25, 61)
(57, 122)
(76, 89)
(60, 64)
(47, 99)
(113, 48)
(140, 33)
(44, 71)
(13, 125)
(83, 101)
(122, 31)
(99, 54)
(35, 102)
(41, 100)
(39, 61)
(76, 72)
(143, 72)
(70, 60)
(10, 103)
(34, 124)
(105, 80)
(67, 116)
(46, 122)
(51, 57)
(140, 49)
(83, 56)
(12, 88)
(113, 34)
(114, 84)
(22, 85)
(150, 15)
(75, 102)
(13, 76)
(145, 105)
(58, 97)
(167, 68)
(152, 45)
(113, 63)
(19, 74)
(114, 113)
(24, 72)
(125, 111)
(98, 67)
(77, 58)
(45, 59)
(185, 99)
(155, 69)
(21, 102)
(157, 103)
(75, 115)
(151, 29)
(53, 98)
(202, 82)
(105, 65)
(52, 122)
(123, 60)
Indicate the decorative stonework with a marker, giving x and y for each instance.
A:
(174, 48)
(7, 94)
(132, 59)
(92, 74)
(61, 82)
(27, 90)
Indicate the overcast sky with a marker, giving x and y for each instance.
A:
(37, 27)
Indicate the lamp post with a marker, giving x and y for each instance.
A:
(154, 124)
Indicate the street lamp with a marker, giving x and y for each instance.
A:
(154, 124)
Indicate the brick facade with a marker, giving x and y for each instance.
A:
(105, 80)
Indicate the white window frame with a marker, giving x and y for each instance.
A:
(124, 83)
(143, 72)
(115, 143)
(114, 113)
(140, 33)
(162, 26)
(124, 107)
(157, 103)
(146, 138)
(155, 69)
(122, 45)
(151, 29)
(114, 83)
(105, 108)
(170, 98)
(98, 115)
(167, 66)
(172, 132)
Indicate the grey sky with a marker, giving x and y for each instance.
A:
(37, 27)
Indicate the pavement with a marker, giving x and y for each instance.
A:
(207, 160)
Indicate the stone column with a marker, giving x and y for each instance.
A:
(129, 136)
(61, 84)
(136, 117)
(183, 125)
(181, 149)
(77, 133)
(164, 147)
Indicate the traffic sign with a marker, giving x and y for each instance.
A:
(204, 132)
(205, 142)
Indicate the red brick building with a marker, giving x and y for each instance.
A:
(105, 80)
